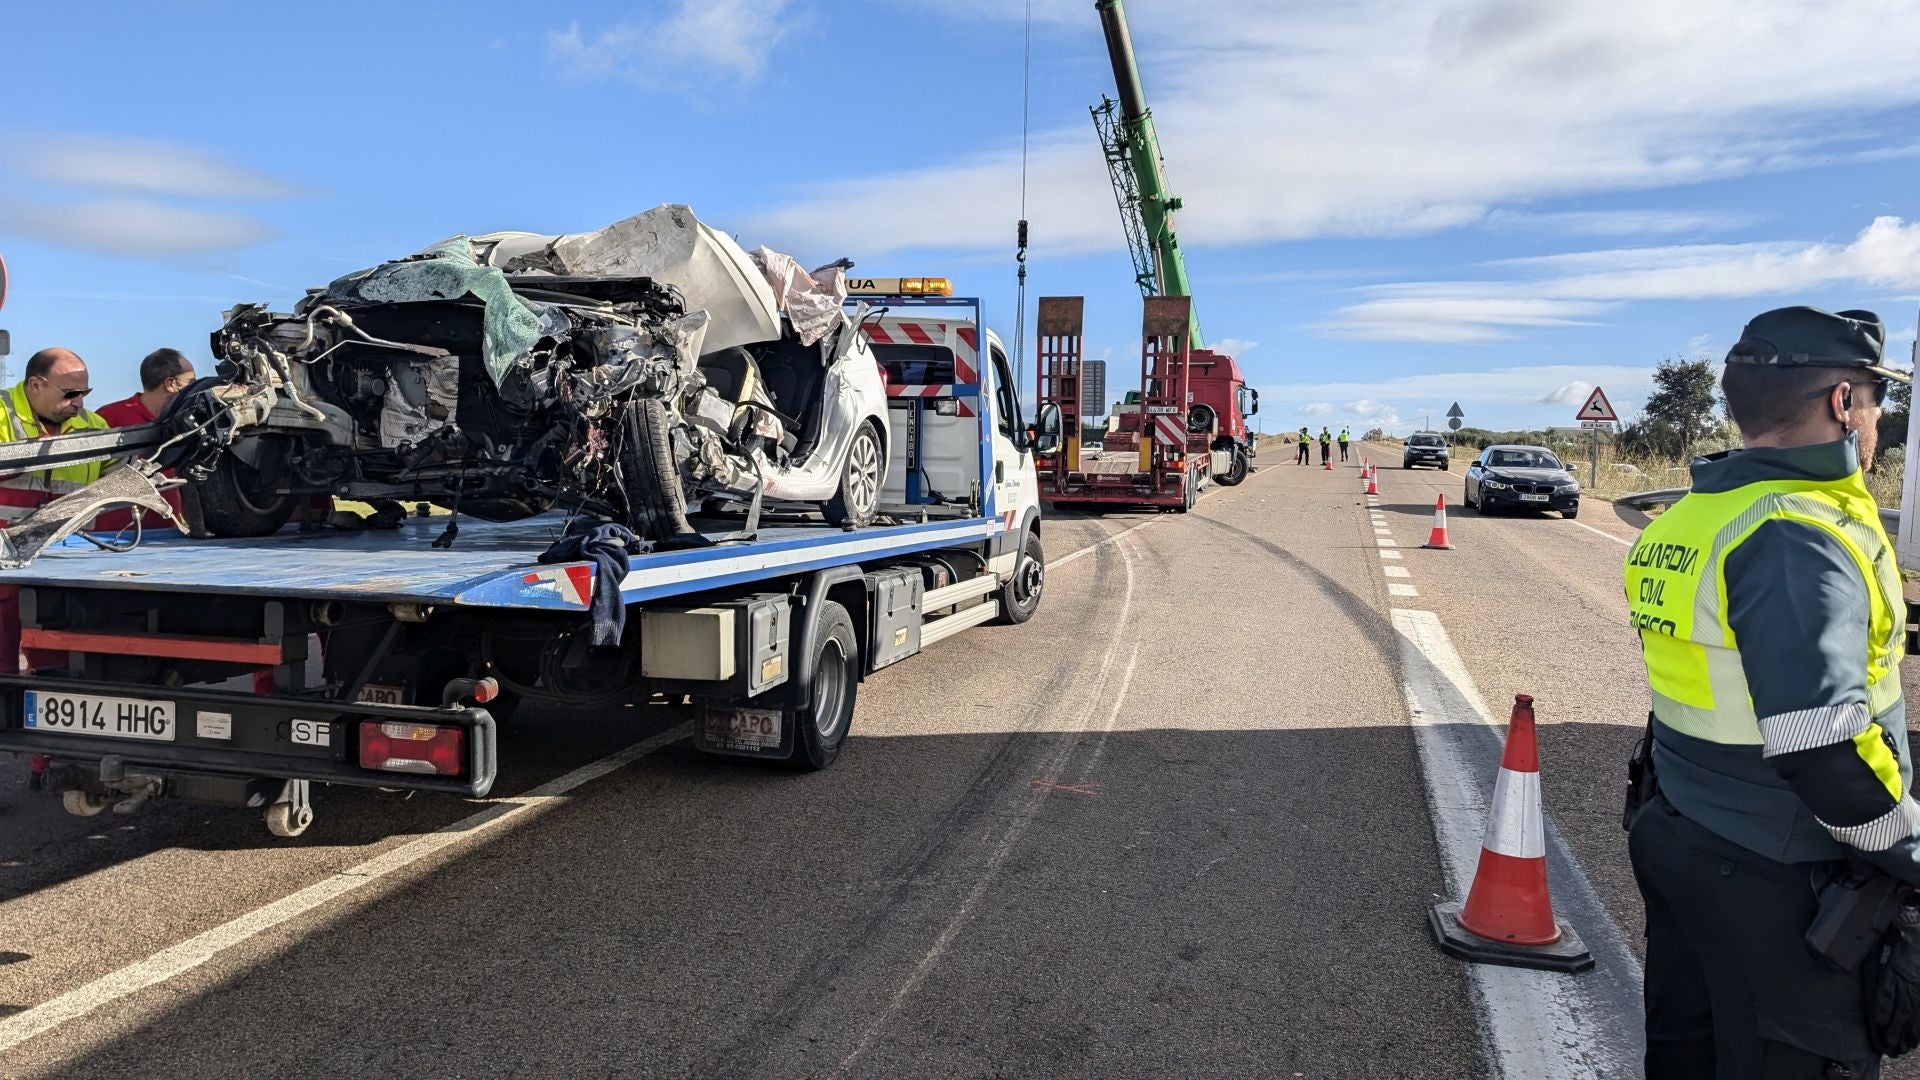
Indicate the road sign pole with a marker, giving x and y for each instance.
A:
(1593, 463)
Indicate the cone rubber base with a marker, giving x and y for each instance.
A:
(1567, 954)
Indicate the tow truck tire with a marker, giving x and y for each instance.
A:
(239, 501)
(1236, 469)
(83, 803)
(858, 499)
(820, 727)
(1020, 596)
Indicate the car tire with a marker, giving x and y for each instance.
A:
(1020, 596)
(821, 726)
(1466, 497)
(1571, 512)
(1446, 466)
(649, 479)
(861, 479)
(241, 500)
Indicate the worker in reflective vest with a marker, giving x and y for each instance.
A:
(1345, 437)
(1772, 624)
(50, 400)
(1305, 456)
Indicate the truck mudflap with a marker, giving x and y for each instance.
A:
(187, 739)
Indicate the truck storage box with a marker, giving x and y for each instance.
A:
(896, 615)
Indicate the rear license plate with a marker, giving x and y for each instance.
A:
(86, 714)
(1534, 498)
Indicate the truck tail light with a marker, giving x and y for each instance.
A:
(428, 749)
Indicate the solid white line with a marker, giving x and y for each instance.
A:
(1537, 1025)
(1055, 564)
(1602, 532)
(195, 951)
(1398, 588)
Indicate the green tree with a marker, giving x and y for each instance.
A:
(1682, 410)
(1893, 419)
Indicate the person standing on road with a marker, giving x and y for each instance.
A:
(1772, 624)
(1345, 435)
(50, 400)
(1305, 456)
(163, 374)
(1326, 445)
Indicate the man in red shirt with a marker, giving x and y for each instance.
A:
(163, 374)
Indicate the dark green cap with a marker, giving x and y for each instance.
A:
(1809, 337)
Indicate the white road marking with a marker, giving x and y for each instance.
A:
(1021, 817)
(1398, 588)
(1385, 554)
(1396, 571)
(197, 950)
(1538, 1025)
(1055, 564)
(1386, 543)
(1600, 532)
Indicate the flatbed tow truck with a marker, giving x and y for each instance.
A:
(768, 637)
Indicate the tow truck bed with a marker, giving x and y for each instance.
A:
(490, 565)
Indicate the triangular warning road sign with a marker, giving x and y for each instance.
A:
(1597, 407)
(1455, 413)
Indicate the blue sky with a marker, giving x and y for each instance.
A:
(1390, 206)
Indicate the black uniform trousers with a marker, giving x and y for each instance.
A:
(1731, 990)
(1304, 457)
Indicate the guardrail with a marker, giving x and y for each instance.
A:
(1647, 500)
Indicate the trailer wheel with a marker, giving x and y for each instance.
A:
(1020, 596)
(1236, 468)
(820, 727)
(82, 803)
(1189, 495)
(240, 500)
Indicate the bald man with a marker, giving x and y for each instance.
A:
(50, 400)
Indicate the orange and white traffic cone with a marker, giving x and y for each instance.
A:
(1373, 484)
(1438, 538)
(1508, 915)
(1325, 461)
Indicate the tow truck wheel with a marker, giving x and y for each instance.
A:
(284, 820)
(1236, 468)
(83, 803)
(820, 729)
(1020, 596)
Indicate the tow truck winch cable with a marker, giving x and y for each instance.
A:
(1020, 256)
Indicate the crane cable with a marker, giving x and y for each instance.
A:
(1020, 255)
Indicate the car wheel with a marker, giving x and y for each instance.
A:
(241, 499)
(1446, 466)
(649, 479)
(820, 728)
(1020, 596)
(1466, 496)
(858, 499)
(1571, 512)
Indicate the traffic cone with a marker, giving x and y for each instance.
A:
(1373, 485)
(1438, 538)
(1326, 463)
(1508, 916)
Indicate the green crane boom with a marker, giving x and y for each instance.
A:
(1139, 176)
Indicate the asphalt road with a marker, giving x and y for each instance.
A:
(1180, 824)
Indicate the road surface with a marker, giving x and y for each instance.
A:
(1187, 822)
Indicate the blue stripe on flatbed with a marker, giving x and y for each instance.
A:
(489, 565)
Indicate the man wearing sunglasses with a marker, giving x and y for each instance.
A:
(50, 400)
(1772, 623)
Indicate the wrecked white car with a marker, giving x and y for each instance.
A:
(628, 373)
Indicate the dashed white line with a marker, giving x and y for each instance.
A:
(1385, 543)
(1397, 588)
(197, 950)
(1396, 571)
(1385, 554)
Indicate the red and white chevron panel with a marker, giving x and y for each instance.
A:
(1170, 430)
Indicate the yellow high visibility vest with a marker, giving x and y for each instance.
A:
(1677, 590)
(21, 492)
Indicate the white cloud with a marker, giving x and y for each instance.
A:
(1284, 120)
(132, 226)
(1374, 412)
(1554, 290)
(707, 37)
(1316, 408)
(1233, 346)
(1573, 393)
(138, 166)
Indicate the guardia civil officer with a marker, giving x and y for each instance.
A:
(1771, 621)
